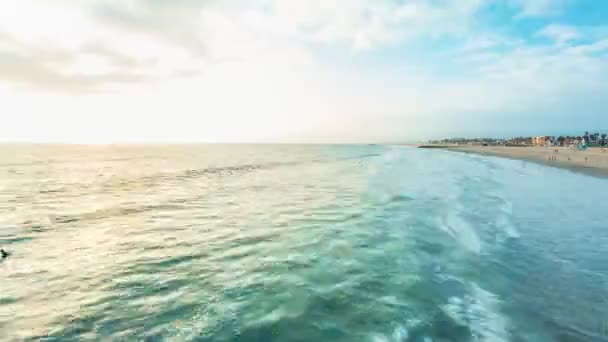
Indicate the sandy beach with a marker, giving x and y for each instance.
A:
(592, 161)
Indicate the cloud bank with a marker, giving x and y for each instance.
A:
(316, 70)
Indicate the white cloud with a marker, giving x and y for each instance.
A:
(596, 47)
(544, 79)
(179, 70)
(60, 46)
(364, 24)
(561, 34)
(171, 39)
(535, 8)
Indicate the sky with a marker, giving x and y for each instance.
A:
(106, 71)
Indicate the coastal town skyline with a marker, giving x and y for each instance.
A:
(591, 139)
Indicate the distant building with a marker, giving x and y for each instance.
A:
(539, 141)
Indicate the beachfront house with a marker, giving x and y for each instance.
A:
(520, 141)
(539, 141)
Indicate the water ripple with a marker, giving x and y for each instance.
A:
(296, 243)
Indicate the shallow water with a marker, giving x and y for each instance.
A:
(298, 243)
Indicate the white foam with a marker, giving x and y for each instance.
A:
(504, 222)
(463, 232)
(507, 208)
(400, 334)
(489, 323)
(454, 309)
(512, 232)
(391, 300)
(480, 312)
(379, 338)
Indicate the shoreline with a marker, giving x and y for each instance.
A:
(593, 161)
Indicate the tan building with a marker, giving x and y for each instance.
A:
(539, 141)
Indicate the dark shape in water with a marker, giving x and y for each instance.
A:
(4, 253)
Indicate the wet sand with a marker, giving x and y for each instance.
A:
(593, 161)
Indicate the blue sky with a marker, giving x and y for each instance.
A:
(305, 71)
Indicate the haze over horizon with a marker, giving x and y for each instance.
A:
(306, 71)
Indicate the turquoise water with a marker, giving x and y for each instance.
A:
(298, 243)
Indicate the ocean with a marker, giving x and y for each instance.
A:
(297, 243)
